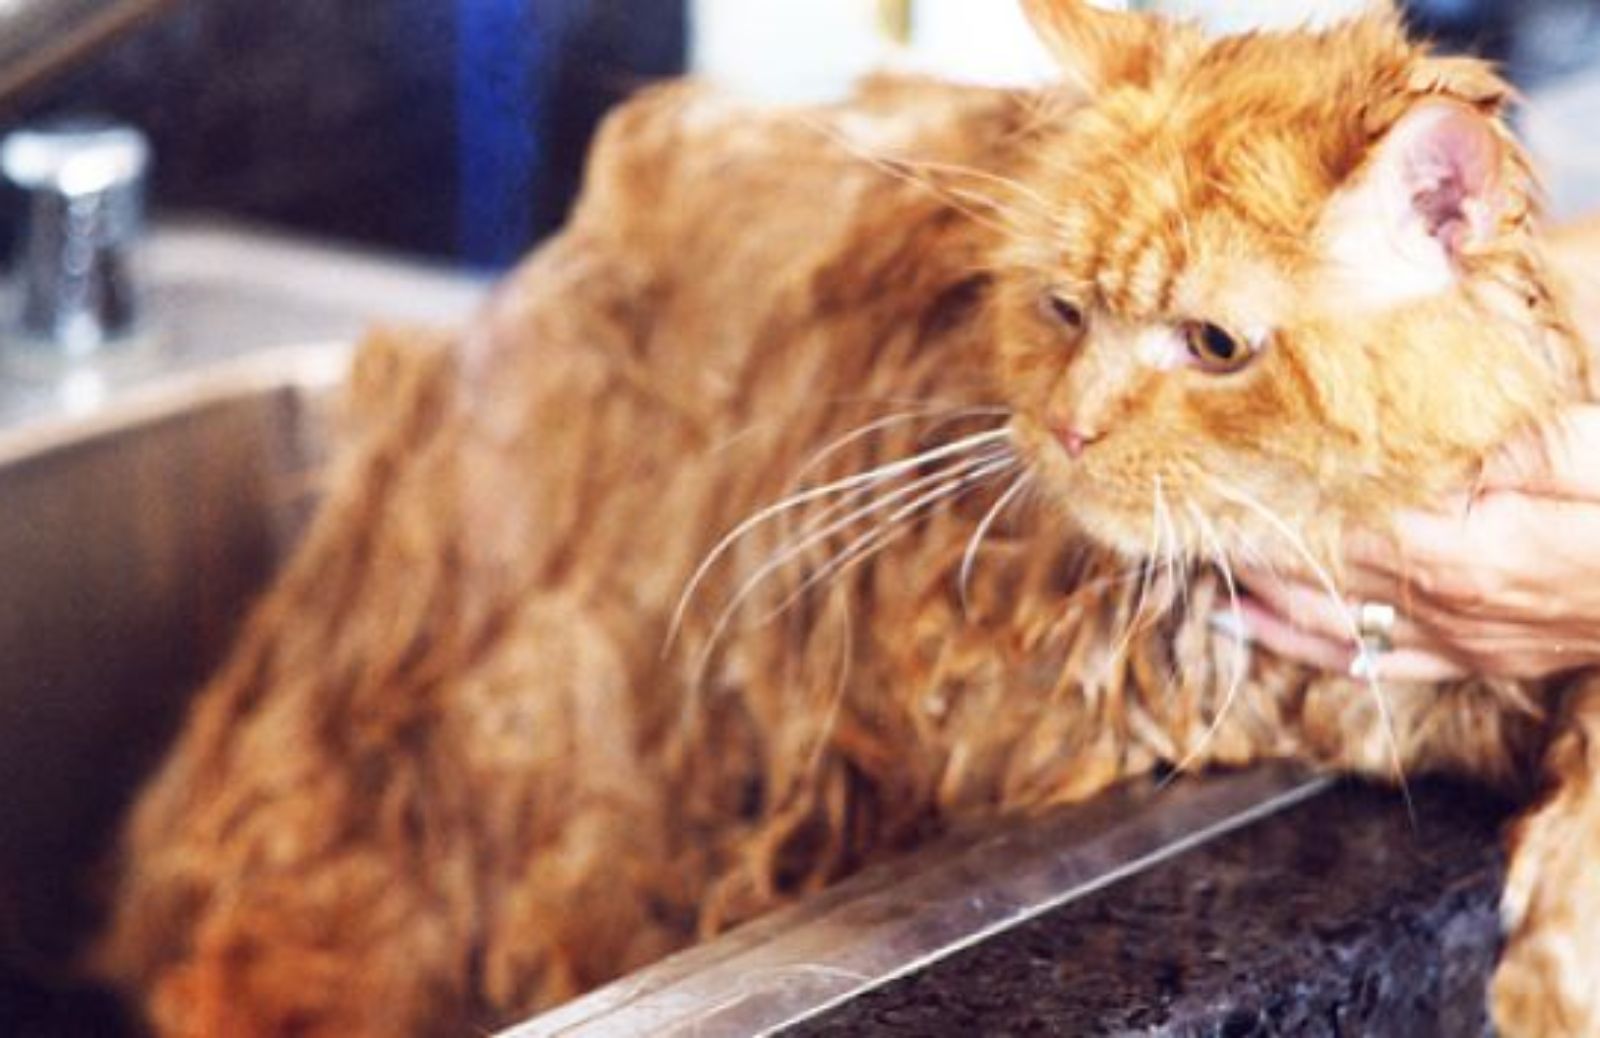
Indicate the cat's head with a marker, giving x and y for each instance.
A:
(1281, 271)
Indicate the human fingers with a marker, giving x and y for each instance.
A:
(1483, 561)
(1314, 610)
(1559, 459)
(1269, 630)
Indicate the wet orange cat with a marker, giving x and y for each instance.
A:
(1208, 300)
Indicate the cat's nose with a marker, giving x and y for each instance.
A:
(1075, 438)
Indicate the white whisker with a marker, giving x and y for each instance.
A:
(1126, 576)
(830, 720)
(940, 415)
(970, 557)
(876, 538)
(1241, 650)
(1171, 546)
(1045, 205)
(874, 476)
(851, 499)
(947, 480)
(1331, 587)
(1147, 570)
(901, 171)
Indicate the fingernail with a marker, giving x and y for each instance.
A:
(1231, 624)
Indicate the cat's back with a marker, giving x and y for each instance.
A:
(723, 216)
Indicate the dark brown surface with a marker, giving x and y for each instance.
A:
(1337, 918)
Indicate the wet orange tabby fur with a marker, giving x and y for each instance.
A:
(1209, 299)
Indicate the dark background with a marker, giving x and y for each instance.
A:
(449, 127)
(456, 128)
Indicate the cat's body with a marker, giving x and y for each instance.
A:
(466, 763)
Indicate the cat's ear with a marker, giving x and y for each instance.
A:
(1097, 48)
(1432, 190)
(1468, 80)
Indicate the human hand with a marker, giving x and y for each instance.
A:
(1504, 584)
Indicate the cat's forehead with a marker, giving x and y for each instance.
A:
(1210, 138)
(1168, 252)
(1157, 216)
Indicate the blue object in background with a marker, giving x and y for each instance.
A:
(456, 128)
(505, 51)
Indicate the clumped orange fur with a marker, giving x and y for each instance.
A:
(450, 776)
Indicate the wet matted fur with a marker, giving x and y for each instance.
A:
(478, 751)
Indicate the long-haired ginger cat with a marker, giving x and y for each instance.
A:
(842, 476)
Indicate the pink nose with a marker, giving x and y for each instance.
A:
(1075, 440)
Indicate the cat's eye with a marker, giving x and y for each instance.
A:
(1215, 349)
(1064, 312)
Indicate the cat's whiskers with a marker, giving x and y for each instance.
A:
(1241, 648)
(945, 482)
(1174, 554)
(967, 195)
(1134, 625)
(857, 550)
(904, 170)
(1046, 207)
(875, 539)
(969, 558)
(814, 534)
(1169, 553)
(939, 416)
(1240, 545)
(830, 720)
(1172, 547)
(1331, 587)
(872, 477)
(848, 497)
(830, 515)
(1125, 576)
(955, 201)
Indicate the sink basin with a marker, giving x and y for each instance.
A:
(145, 498)
(131, 542)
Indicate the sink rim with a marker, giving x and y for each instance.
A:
(790, 966)
(111, 411)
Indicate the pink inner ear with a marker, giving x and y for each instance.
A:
(1450, 168)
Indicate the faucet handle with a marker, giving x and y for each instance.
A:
(73, 277)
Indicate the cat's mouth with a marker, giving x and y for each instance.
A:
(1099, 491)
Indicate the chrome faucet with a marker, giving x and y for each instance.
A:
(74, 280)
(73, 285)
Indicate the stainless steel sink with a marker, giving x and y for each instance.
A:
(145, 498)
(144, 501)
(131, 542)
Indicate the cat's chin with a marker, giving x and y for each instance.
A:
(1087, 512)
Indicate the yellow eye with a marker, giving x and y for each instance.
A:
(1214, 349)
(1064, 312)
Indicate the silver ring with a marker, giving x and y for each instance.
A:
(1375, 628)
(1375, 624)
